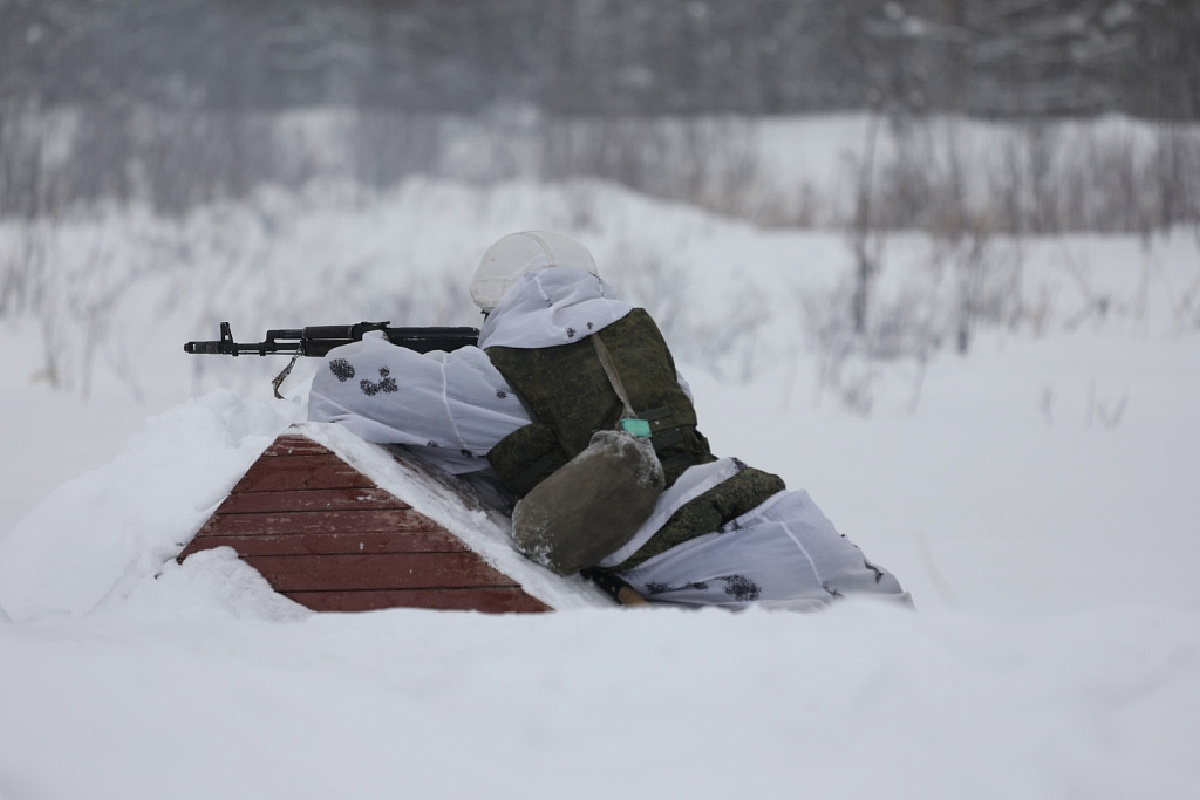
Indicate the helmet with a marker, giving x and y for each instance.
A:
(519, 253)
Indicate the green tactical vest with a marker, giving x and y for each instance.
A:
(568, 395)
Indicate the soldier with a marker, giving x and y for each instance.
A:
(573, 403)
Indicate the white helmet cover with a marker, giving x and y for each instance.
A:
(519, 253)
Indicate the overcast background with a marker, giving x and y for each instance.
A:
(178, 102)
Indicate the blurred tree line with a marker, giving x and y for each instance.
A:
(991, 58)
(181, 102)
(178, 103)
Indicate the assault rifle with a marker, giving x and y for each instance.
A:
(319, 340)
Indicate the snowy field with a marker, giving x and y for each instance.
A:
(1037, 496)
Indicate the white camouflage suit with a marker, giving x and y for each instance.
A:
(452, 408)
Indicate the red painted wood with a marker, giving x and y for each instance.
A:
(301, 472)
(388, 520)
(294, 445)
(436, 541)
(322, 533)
(359, 499)
(494, 600)
(377, 571)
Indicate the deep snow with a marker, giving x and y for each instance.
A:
(1038, 502)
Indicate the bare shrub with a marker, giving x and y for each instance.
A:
(865, 232)
(25, 255)
(75, 283)
(390, 146)
(1107, 411)
(709, 163)
(726, 340)
(904, 333)
(1040, 176)
(986, 277)
(1176, 174)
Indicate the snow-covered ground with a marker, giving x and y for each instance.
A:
(1037, 497)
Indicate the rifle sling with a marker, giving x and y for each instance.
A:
(614, 377)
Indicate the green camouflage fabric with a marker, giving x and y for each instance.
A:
(569, 396)
(567, 393)
(709, 512)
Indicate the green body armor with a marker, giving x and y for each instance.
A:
(569, 396)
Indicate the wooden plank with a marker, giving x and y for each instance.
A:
(436, 541)
(377, 571)
(322, 533)
(301, 472)
(492, 600)
(384, 521)
(353, 499)
(293, 445)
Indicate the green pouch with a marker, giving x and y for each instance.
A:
(592, 505)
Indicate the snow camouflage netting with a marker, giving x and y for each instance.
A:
(452, 408)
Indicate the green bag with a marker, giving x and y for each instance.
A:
(590, 507)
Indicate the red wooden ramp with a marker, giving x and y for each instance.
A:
(324, 535)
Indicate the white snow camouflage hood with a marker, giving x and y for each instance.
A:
(516, 254)
(552, 307)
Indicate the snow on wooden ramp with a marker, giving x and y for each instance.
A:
(330, 522)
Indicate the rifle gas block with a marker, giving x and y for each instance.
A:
(319, 340)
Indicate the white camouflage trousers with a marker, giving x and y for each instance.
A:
(783, 554)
